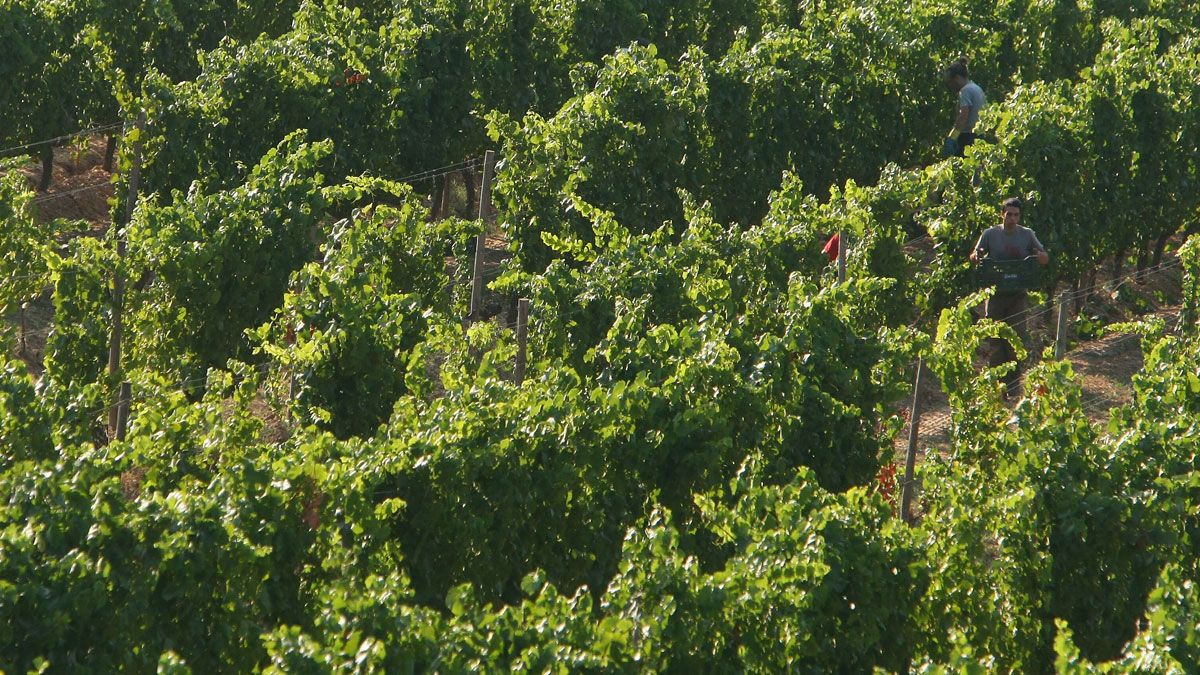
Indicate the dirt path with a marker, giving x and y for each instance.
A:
(80, 190)
(1104, 364)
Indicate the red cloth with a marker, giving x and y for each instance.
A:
(831, 246)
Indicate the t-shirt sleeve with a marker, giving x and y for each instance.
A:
(970, 97)
(1035, 243)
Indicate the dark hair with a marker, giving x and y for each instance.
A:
(1012, 202)
(959, 67)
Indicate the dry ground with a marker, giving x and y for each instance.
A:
(80, 190)
(1103, 363)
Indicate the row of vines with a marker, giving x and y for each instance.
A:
(686, 480)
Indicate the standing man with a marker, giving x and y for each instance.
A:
(1008, 241)
(970, 102)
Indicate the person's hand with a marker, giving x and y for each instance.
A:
(1043, 258)
(975, 256)
(950, 147)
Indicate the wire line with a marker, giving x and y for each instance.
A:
(56, 139)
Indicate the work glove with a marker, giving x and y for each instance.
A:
(950, 147)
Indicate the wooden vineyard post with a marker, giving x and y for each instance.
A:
(291, 394)
(23, 329)
(290, 339)
(522, 339)
(485, 206)
(910, 458)
(1060, 339)
(46, 155)
(468, 181)
(122, 407)
(118, 325)
(437, 198)
(110, 152)
(841, 259)
(444, 206)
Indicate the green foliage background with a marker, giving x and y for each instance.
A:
(689, 478)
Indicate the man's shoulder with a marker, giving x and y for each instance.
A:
(972, 92)
(989, 235)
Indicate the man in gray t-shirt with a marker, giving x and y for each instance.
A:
(1009, 241)
(970, 101)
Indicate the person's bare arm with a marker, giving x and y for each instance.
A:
(1043, 257)
(960, 122)
(979, 246)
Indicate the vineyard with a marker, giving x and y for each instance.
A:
(468, 335)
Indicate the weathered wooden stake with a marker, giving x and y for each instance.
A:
(447, 193)
(910, 458)
(522, 338)
(110, 152)
(468, 181)
(841, 257)
(124, 400)
(47, 157)
(23, 328)
(485, 206)
(118, 324)
(291, 393)
(289, 339)
(1060, 338)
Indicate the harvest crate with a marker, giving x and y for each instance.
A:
(1009, 275)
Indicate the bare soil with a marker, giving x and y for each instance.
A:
(80, 190)
(1104, 364)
